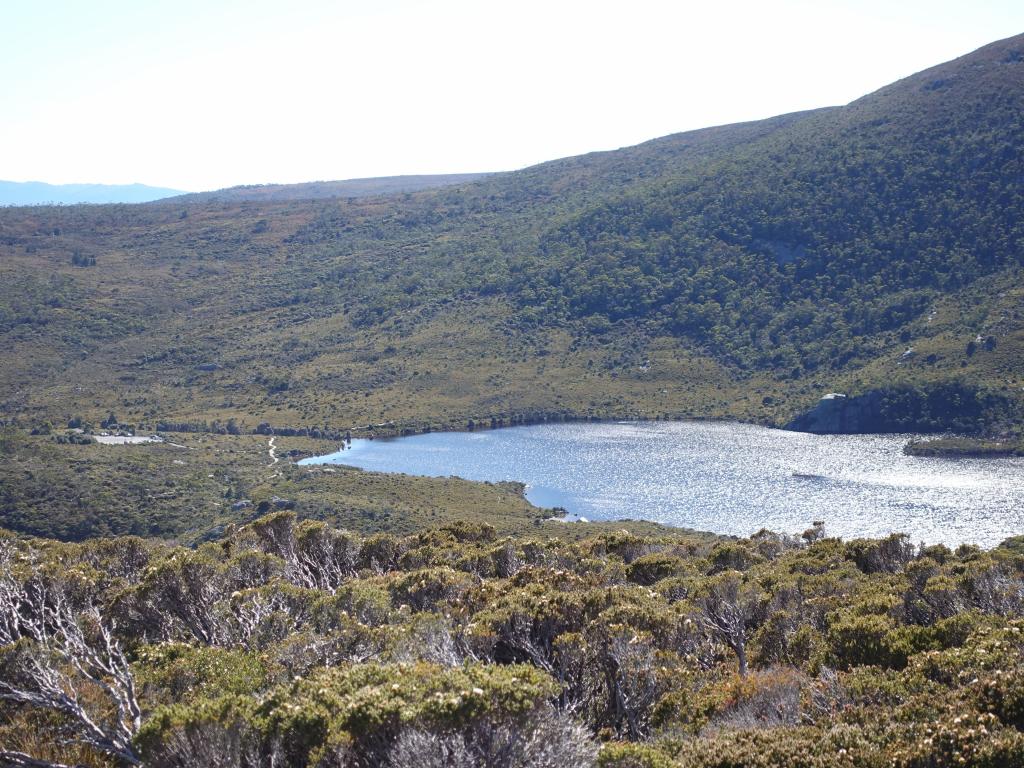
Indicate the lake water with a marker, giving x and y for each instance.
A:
(723, 477)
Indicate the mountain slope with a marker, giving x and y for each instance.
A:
(317, 190)
(39, 193)
(859, 217)
(738, 271)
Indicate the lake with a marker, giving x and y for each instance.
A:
(724, 477)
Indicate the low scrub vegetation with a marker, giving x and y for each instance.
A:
(292, 642)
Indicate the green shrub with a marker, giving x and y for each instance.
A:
(652, 568)
(427, 589)
(967, 739)
(174, 672)
(855, 640)
(362, 708)
(732, 557)
(619, 755)
(381, 552)
(1002, 694)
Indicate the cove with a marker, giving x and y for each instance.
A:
(724, 477)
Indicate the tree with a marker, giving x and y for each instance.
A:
(728, 605)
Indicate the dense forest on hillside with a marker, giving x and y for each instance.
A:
(789, 251)
(294, 643)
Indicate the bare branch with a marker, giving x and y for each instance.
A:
(67, 651)
(21, 760)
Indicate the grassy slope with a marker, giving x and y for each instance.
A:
(186, 489)
(170, 293)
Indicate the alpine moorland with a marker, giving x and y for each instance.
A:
(201, 599)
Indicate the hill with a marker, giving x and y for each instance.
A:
(317, 190)
(740, 271)
(39, 193)
(859, 218)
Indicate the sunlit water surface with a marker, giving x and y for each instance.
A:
(727, 478)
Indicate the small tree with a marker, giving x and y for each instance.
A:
(728, 606)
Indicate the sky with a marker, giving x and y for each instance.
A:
(204, 94)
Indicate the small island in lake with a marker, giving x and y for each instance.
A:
(953, 447)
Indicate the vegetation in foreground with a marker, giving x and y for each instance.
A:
(290, 642)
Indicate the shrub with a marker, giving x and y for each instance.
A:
(762, 699)
(652, 568)
(772, 640)
(174, 672)
(465, 531)
(425, 590)
(548, 740)
(381, 553)
(365, 600)
(632, 756)
(1002, 694)
(355, 712)
(888, 555)
(854, 640)
(732, 557)
(964, 739)
(984, 651)
(689, 707)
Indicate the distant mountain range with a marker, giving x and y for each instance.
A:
(40, 193)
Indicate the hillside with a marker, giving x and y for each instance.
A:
(317, 190)
(39, 193)
(739, 271)
(858, 219)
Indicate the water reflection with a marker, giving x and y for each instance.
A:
(729, 478)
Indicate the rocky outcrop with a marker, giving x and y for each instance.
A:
(838, 414)
(937, 407)
(948, 406)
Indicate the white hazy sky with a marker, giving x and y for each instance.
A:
(201, 94)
